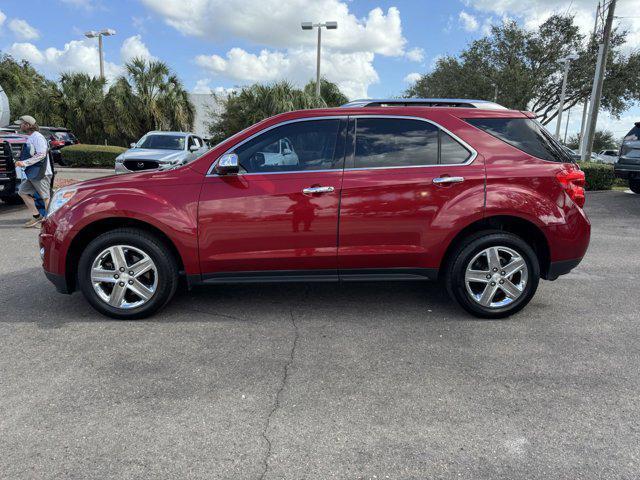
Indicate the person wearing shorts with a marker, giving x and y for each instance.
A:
(38, 150)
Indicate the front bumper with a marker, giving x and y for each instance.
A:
(8, 186)
(58, 281)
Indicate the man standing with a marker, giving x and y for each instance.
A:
(34, 160)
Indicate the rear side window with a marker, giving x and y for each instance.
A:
(525, 134)
(393, 142)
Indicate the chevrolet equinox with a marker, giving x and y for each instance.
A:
(482, 198)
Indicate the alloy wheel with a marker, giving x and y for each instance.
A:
(124, 276)
(496, 277)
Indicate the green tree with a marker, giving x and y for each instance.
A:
(82, 106)
(29, 92)
(523, 67)
(329, 91)
(602, 140)
(148, 97)
(239, 110)
(243, 108)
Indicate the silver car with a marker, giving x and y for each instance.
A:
(159, 150)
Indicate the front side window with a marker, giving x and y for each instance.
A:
(395, 142)
(162, 142)
(525, 134)
(299, 146)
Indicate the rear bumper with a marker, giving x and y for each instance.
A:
(626, 170)
(561, 267)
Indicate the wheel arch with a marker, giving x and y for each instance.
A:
(528, 231)
(92, 230)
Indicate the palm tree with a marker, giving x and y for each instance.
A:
(82, 105)
(329, 92)
(148, 97)
(257, 102)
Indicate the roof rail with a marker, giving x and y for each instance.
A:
(424, 102)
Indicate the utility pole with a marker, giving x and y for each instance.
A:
(567, 61)
(566, 127)
(107, 32)
(585, 109)
(598, 82)
(319, 26)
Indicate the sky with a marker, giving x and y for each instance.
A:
(380, 46)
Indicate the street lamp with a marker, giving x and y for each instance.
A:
(107, 32)
(567, 61)
(311, 26)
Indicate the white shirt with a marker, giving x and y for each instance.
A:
(38, 148)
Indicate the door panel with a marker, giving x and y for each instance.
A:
(281, 212)
(396, 217)
(265, 222)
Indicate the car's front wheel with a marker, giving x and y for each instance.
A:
(634, 185)
(127, 273)
(493, 274)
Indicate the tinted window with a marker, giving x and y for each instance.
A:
(451, 152)
(307, 145)
(391, 142)
(633, 135)
(524, 134)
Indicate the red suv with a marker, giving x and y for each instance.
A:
(484, 199)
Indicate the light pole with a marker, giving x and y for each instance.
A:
(311, 26)
(107, 32)
(567, 61)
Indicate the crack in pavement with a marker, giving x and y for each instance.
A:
(276, 403)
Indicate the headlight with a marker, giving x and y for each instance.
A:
(61, 197)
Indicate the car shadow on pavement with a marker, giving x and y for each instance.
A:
(427, 301)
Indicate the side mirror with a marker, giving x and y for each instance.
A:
(133, 145)
(228, 164)
(193, 148)
(286, 151)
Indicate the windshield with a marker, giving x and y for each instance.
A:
(162, 142)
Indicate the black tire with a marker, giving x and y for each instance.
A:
(634, 185)
(165, 262)
(465, 252)
(12, 200)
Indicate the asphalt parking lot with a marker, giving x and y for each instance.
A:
(354, 381)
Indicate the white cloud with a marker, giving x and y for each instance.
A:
(133, 47)
(75, 56)
(203, 87)
(22, 30)
(79, 56)
(534, 12)
(412, 77)
(353, 72)
(3, 17)
(416, 54)
(276, 23)
(468, 21)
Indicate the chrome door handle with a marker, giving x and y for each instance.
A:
(312, 190)
(443, 180)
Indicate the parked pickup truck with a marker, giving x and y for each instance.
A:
(10, 146)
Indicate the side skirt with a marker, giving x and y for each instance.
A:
(289, 276)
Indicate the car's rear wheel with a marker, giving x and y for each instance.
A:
(493, 274)
(634, 185)
(127, 273)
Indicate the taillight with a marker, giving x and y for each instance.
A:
(573, 183)
(57, 143)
